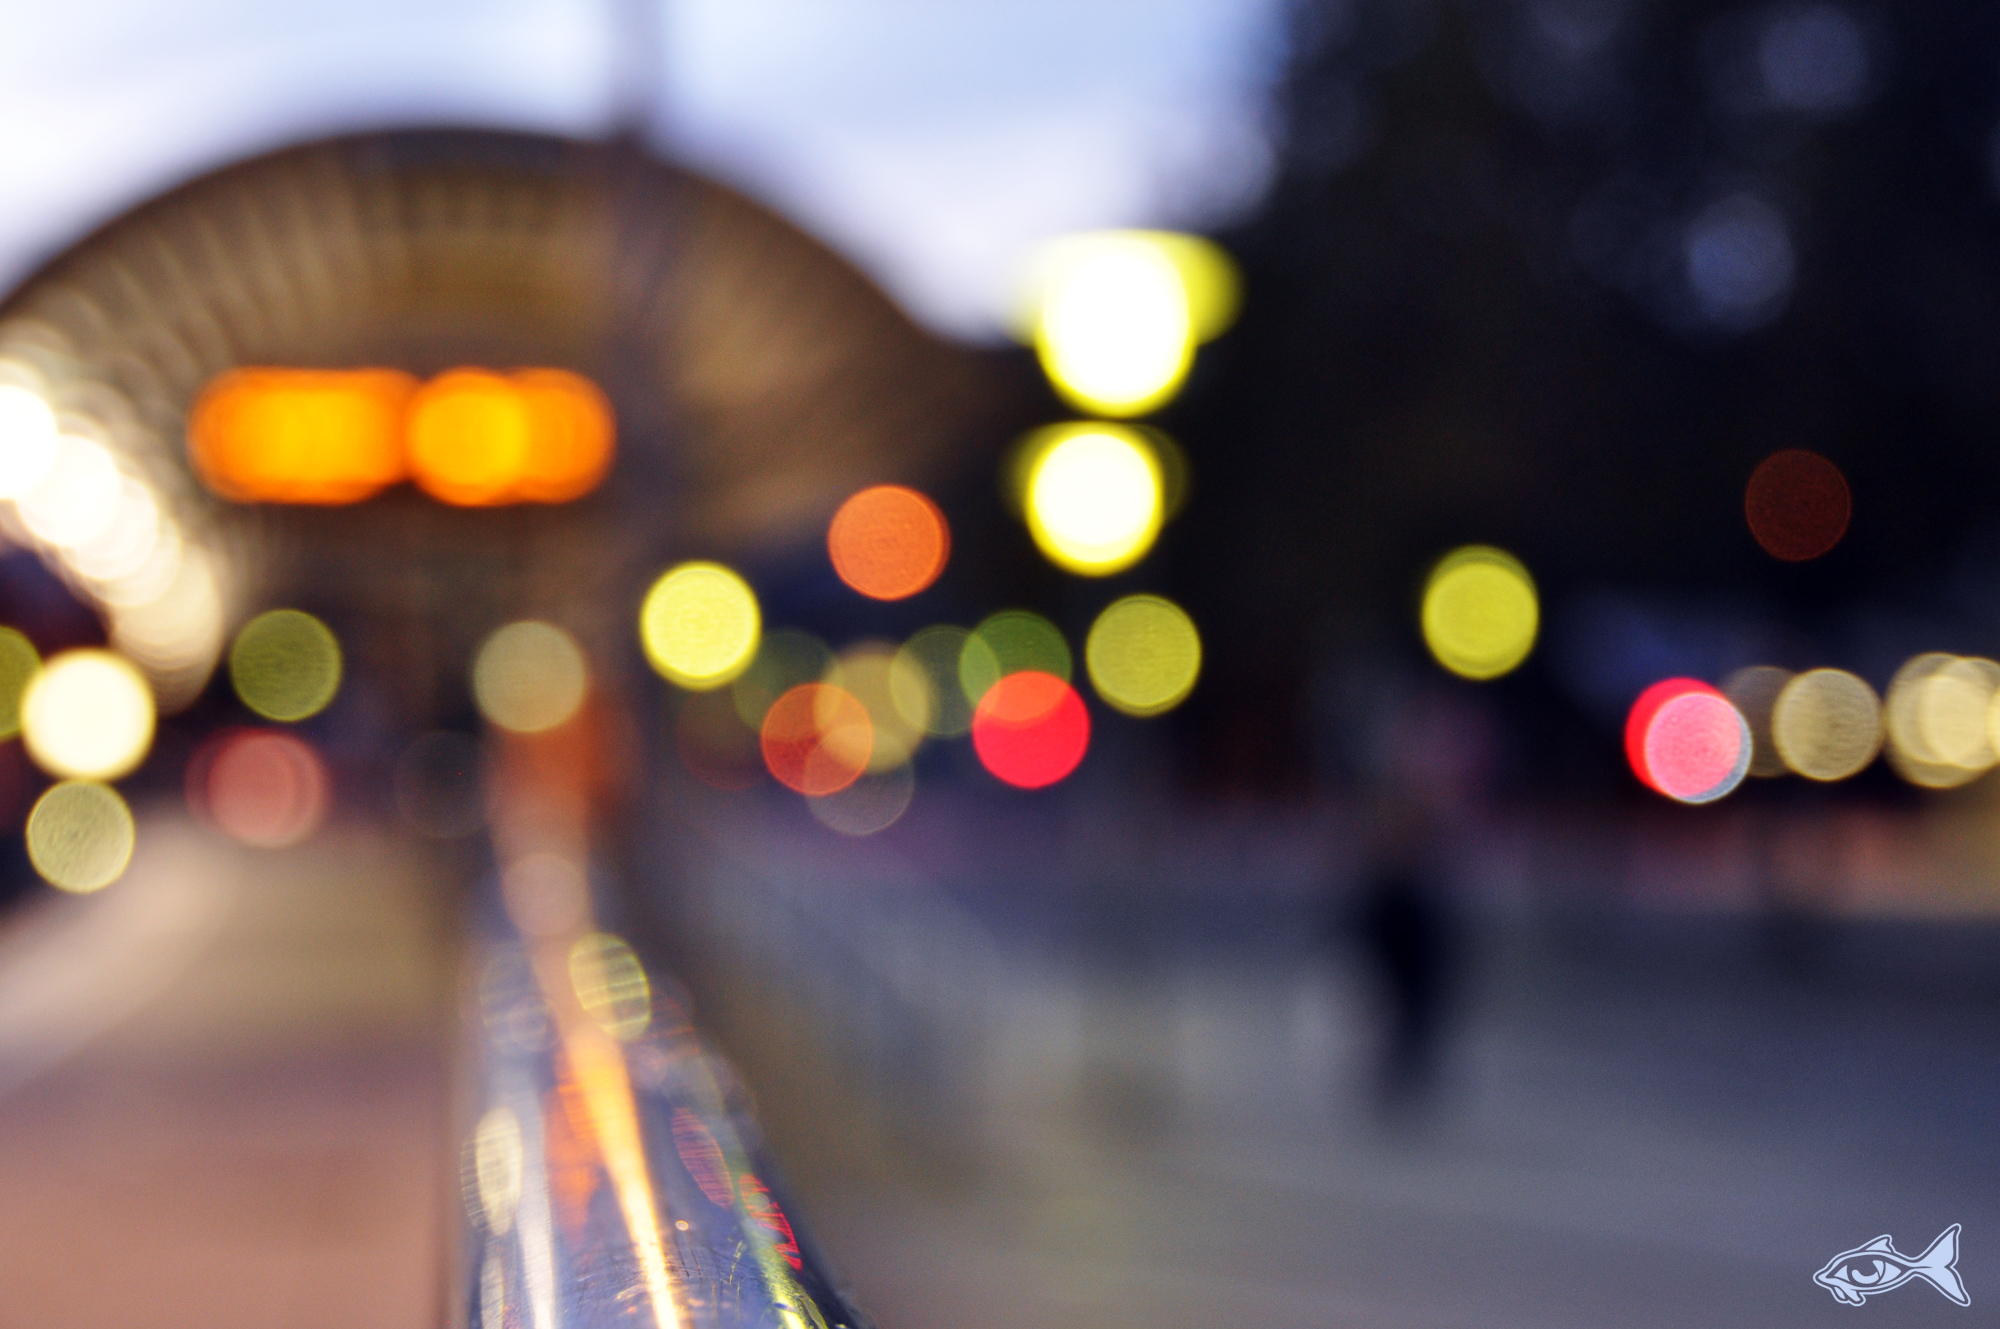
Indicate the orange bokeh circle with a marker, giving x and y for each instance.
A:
(468, 438)
(817, 739)
(318, 436)
(888, 542)
(570, 435)
(540, 436)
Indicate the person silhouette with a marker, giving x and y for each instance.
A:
(1401, 925)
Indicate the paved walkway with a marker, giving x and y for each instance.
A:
(1633, 1134)
(221, 1100)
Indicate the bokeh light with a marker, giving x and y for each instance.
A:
(1754, 690)
(497, 1168)
(1030, 729)
(715, 744)
(80, 835)
(932, 656)
(1115, 315)
(817, 739)
(872, 803)
(77, 498)
(477, 438)
(611, 985)
(894, 696)
(1952, 712)
(260, 787)
(1094, 499)
(1640, 718)
(1797, 504)
(1813, 58)
(1024, 456)
(1480, 612)
(1934, 716)
(785, 658)
(19, 662)
(529, 677)
(888, 542)
(1827, 724)
(547, 895)
(1209, 278)
(699, 625)
(285, 665)
(1010, 642)
(1143, 654)
(313, 436)
(703, 1158)
(1740, 263)
(1684, 739)
(468, 438)
(87, 715)
(571, 436)
(27, 439)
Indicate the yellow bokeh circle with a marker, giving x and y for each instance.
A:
(529, 677)
(1933, 717)
(19, 663)
(1116, 315)
(1094, 500)
(1143, 654)
(1827, 724)
(611, 985)
(80, 836)
(285, 665)
(88, 715)
(699, 625)
(1480, 612)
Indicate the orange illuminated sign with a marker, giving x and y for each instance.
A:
(468, 437)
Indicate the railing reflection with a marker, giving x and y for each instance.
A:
(613, 1171)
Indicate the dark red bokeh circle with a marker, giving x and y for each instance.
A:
(1797, 504)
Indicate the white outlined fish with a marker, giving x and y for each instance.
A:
(1856, 1275)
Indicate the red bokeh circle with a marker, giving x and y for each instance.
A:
(1686, 740)
(263, 787)
(1797, 504)
(1639, 721)
(1698, 747)
(1030, 729)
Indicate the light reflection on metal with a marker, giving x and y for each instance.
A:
(593, 1222)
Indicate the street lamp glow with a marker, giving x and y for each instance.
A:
(1094, 500)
